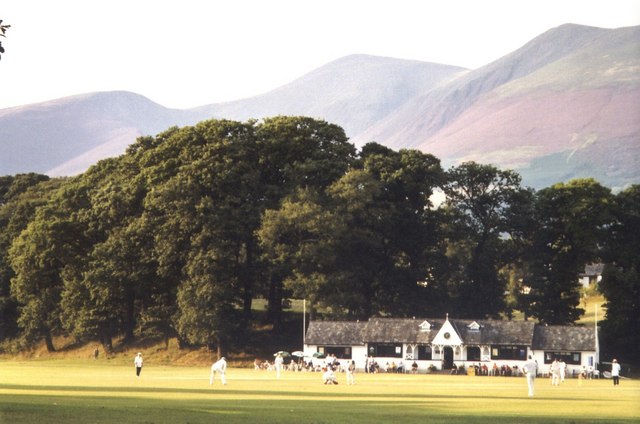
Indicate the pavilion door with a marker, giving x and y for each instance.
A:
(448, 358)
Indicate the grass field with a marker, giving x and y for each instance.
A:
(86, 391)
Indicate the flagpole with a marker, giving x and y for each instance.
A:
(304, 321)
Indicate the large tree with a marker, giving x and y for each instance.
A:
(297, 153)
(38, 257)
(359, 247)
(479, 202)
(621, 279)
(572, 219)
(20, 196)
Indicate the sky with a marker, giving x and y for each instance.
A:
(188, 53)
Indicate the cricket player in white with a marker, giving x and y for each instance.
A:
(530, 370)
(555, 372)
(219, 367)
(278, 362)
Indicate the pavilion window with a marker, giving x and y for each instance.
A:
(571, 358)
(385, 350)
(340, 352)
(425, 352)
(473, 353)
(517, 353)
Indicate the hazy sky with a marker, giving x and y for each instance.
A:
(192, 52)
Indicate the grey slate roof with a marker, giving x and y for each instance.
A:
(397, 330)
(564, 338)
(491, 332)
(335, 333)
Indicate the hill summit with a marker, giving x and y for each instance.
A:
(564, 105)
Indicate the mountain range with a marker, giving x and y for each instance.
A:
(565, 105)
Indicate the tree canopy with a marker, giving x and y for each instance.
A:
(181, 234)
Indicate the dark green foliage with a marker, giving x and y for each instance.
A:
(621, 279)
(572, 220)
(182, 233)
(481, 201)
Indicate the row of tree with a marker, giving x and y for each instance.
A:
(181, 234)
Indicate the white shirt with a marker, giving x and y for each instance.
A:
(138, 361)
(220, 366)
(530, 367)
(615, 369)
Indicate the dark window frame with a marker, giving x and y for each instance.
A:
(509, 352)
(425, 352)
(340, 352)
(385, 350)
(570, 358)
(477, 357)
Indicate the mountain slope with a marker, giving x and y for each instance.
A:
(62, 133)
(66, 136)
(354, 92)
(565, 105)
(428, 113)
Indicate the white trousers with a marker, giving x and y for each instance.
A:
(222, 376)
(531, 379)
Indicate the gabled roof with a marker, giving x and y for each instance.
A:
(336, 333)
(398, 330)
(491, 332)
(564, 338)
(495, 332)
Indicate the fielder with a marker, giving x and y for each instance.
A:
(219, 367)
(530, 370)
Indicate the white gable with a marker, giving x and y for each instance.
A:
(425, 326)
(474, 326)
(447, 336)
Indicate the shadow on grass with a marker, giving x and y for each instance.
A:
(248, 393)
(78, 409)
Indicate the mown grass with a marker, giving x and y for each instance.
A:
(85, 391)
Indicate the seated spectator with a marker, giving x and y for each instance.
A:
(454, 369)
(494, 370)
(414, 367)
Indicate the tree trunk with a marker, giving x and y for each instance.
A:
(129, 321)
(182, 344)
(275, 302)
(49, 341)
(106, 340)
(312, 313)
(248, 277)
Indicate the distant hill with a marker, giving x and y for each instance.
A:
(355, 92)
(564, 105)
(66, 136)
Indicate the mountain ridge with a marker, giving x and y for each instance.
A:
(556, 108)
